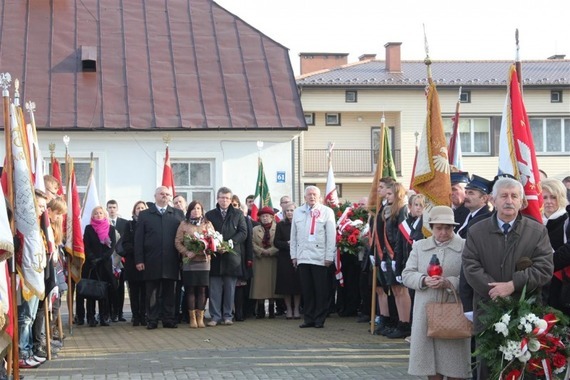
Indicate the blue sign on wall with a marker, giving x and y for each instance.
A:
(280, 177)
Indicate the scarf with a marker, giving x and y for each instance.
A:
(195, 221)
(266, 241)
(101, 227)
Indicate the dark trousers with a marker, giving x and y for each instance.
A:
(137, 295)
(157, 291)
(365, 286)
(348, 296)
(118, 299)
(103, 309)
(315, 289)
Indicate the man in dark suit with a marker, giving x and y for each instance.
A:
(225, 268)
(117, 299)
(458, 182)
(156, 255)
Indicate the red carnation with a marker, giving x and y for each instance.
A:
(534, 365)
(559, 360)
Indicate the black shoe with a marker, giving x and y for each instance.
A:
(105, 323)
(151, 326)
(78, 321)
(121, 318)
(403, 330)
(319, 325)
(92, 323)
(136, 322)
(363, 319)
(304, 325)
(114, 318)
(170, 325)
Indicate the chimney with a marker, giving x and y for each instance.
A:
(311, 62)
(393, 61)
(366, 57)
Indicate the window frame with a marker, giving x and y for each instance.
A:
(556, 96)
(188, 189)
(351, 96)
(309, 118)
(465, 96)
(332, 114)
(564, 126)
(448, 124)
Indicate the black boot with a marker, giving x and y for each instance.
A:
(271, 310)
(381, 326)
(260, 313)
(403, 330)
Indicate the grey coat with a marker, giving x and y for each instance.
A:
(429, 356)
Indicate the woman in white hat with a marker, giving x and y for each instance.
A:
(436, 358)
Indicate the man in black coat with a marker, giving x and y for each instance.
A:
(458, 182)
(225, 268)
(156, 255)
(118, 298)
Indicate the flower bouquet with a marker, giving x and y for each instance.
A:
(522, 337)
(222, 245)
(352, 228)
(200, 243)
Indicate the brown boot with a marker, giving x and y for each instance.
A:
(193, 323)
(200, 318)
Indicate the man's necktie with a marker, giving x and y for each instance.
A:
(161, 211)
(506, 228)
(113, 222)
(224, 213)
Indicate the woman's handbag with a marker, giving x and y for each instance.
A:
(446, 319)
(92, 288)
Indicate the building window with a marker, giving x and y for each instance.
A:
(332, 119)
(465, 97)
(474, 133)
(310, 118)
(555, 96)
(551, 135)
(194, 180)
(351, 96)
(82, 169)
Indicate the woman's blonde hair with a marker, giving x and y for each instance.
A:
(99, 208)
(399, 199)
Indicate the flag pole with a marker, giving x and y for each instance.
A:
(13, 354)
(379, 169)
(518, 63)
(454, 132)
(70, 292)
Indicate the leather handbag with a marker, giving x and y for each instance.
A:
(92, 288)
(446, 319)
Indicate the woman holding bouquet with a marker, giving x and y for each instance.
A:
(436, 358)
(99, 239)
(192, 238)
(264, 263)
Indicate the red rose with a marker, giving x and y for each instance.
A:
(352, 239)
(338, 238)
(559, 360)
(513, 375)
(338, 214)
(356, 233)
(349, 213)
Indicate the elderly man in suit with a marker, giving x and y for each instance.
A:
(225, 268)
(156, 255)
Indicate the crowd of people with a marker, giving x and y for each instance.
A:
(283, 263)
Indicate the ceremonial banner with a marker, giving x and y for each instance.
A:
(90, 200)
(455, 154)
(331, 197)
(431, 175)
(56, 172)
(262, 197)
(385, 166)
(167, 174)
(74, 233)
(517, 155)
(31, 257)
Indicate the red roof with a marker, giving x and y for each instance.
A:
(159, 66)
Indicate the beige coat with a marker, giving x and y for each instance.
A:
(197, 262)
(264, 266)
(430, 356)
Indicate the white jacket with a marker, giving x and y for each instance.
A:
(321, 245)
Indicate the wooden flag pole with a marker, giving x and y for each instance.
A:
(70, 292)
(380, 169)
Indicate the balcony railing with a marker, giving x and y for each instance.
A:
(345, 161)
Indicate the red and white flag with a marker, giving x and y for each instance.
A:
(168, 174)
(74, 233)
(517, 155)
(331, 197)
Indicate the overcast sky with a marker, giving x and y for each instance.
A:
(456, 30)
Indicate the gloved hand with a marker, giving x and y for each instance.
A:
(393, 266)
(399, 279)
(383, 266)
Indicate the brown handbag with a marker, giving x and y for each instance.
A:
(446, 319)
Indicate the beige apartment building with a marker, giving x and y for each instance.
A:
(344, 102)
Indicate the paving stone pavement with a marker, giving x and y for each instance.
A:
(254, 349)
